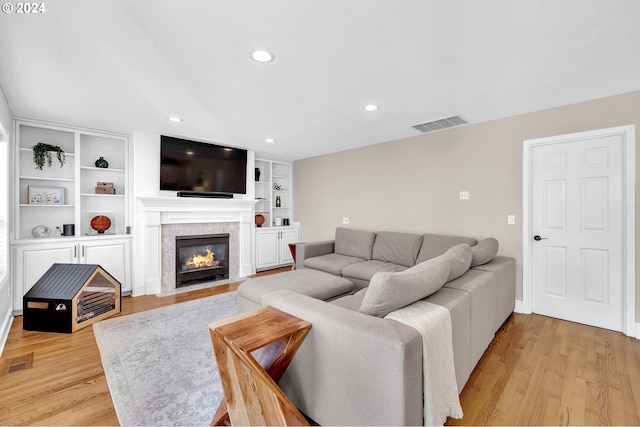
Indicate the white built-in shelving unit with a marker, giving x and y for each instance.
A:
(76, 183)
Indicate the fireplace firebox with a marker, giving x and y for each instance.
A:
(201, 258)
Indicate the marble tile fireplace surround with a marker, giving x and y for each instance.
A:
(164, 218)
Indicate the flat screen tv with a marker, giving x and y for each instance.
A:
(200, 169)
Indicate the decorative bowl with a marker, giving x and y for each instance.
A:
(41, 231)
(259, 220)
(100, 223)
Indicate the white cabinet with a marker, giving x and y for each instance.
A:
(272, 247)
(69, 194)
(32, 260)
(114, 256)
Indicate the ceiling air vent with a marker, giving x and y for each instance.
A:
(440, 124)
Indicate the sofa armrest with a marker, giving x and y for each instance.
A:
(309, 250)
(352, 369)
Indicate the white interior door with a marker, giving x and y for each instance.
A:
(577, 229)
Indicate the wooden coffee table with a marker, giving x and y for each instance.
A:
(253, 350)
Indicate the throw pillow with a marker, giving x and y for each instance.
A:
(460, 257)
(391, 291)
(484, 251)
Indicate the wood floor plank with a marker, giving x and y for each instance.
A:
(537, 371)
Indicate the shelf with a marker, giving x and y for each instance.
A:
(78, 177)
(273, 172)
(27, 205)
(37, 178)
(93, 168)
(101, 195)
(30, 150)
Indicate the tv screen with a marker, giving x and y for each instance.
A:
(201, 167)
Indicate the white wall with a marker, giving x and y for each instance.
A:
(6, 305)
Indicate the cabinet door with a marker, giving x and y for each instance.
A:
(32, 262)
(266, 249)
(286, 237)
(112, 256)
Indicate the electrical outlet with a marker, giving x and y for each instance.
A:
(464, 195)
(345, 220)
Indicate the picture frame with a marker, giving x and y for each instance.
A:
(45, 195)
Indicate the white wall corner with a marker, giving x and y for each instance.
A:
(638, 331)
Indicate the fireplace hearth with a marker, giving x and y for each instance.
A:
(201, 258)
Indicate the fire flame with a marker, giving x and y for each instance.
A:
(200, 261)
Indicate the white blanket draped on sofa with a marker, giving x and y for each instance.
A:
(433, 322)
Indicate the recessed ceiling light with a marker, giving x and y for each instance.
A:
(371, 107)
(269, 140)
(174, 119)
(263, 56)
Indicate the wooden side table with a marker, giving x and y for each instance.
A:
(292, 249)
(253, 350)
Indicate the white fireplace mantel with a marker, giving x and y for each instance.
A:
(153, 212)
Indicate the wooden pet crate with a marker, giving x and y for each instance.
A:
(69, 297)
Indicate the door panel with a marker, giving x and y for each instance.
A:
(112, 257)
(266, 249)
(577, 210)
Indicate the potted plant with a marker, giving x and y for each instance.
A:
(42, 153)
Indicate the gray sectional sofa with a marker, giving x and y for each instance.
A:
(357, 367)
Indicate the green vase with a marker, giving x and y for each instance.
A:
(102, 163)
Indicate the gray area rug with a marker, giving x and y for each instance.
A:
(160, 365)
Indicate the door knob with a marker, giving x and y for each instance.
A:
(538, 238)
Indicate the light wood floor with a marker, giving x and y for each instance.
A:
(537, 371)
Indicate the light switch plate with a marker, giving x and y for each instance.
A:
(511, 219)
(464, 195)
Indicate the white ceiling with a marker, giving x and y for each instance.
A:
(125, 65)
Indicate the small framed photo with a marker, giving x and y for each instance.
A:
(42, 195)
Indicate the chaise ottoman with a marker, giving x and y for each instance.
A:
(314, 283)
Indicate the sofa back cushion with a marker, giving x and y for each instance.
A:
(397, 248)
(355, 243)
(434, 245)
(391, 291)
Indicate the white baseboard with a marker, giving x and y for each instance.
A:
(5, 328)
(520, 307)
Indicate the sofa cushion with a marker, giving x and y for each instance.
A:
(397, 248)
(313, 283)
(331, 263)
(350, 302)
(434, 245)
(484, 251)
(391, 291)
(365, 270)
(460, 257)
(355, 243)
